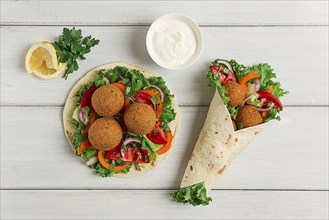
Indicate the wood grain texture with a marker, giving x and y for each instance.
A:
(283, 174)
(156, 204)
(298, 54)
(292, 154)
(144, 12)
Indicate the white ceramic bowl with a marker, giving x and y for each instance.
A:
(160, 21)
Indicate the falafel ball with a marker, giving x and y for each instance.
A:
(107, 100)
(235, 92)
(139, 118)
(105, 134)
(248, 116)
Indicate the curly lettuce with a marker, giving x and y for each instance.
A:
(195, 195)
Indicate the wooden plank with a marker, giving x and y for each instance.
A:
(155, 204)
(292, 154)
(144, 12)
(298, 54)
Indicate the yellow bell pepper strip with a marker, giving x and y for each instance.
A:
(120, 86)
(119, 168)
(85, 144)
(167, 146)
(102, 161)
(243, 81)
(264, 114)
(79, 151)
(270, 89)
(126, 103)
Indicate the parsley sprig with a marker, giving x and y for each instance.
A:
(70, 46)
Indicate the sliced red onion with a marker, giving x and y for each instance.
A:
(262, 101)
(257, 84)
(246, 99)
(82, 117)
(219, 61)
(119, 80)
(160, 91)
(266, 109)
(127, 141)
(137, 167)
(107, 81)
(92, 161)
(251, 88)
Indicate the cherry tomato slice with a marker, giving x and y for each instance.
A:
(86, 97)
(157, 136)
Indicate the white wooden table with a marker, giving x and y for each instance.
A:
(283, 174)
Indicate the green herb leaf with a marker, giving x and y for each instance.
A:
(195, 195)
(150, 147)
(70, 46)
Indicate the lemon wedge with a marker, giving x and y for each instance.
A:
(41, 60)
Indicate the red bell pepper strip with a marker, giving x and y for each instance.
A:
(86, 97)
(270, 98)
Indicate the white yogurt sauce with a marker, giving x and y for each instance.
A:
(174, 42)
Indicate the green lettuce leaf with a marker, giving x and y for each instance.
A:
(150, 147)
(253, 100)
(103, 172)
(114, 74)
(195, 195)
(87, 154)
(78, 125)
(78, 138)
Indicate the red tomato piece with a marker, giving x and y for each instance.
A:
(145, 98)
(133, 153)
(157, 136)
(114, 153)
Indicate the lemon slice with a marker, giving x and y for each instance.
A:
(41, 60)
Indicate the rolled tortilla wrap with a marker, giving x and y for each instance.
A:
(218, 144)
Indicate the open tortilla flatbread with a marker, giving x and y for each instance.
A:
(91, 76)
(217, 146)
